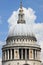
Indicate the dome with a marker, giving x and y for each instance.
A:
(21, 29)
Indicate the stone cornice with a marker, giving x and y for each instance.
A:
(21, 60)
(17, 47)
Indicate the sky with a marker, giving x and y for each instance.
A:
(8, 8)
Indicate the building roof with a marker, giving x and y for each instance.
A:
(21, 28)
(21, 37)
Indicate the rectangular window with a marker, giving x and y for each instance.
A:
(34, 53)
(27, 53)
(23, 53)
(20, 53)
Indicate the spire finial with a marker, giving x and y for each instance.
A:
(20, 3)
(21, 14)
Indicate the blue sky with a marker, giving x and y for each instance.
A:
(8, 6)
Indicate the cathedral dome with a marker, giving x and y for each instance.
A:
(21, 47)
(21, 28)
(21, 31)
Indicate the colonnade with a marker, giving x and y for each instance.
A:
(25, 54)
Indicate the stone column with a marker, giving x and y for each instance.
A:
(25, 54)
(21, 53)
(5, 55)
(38, 55)
(35, 54)
(8, 54)
(32, 54)
(11, 53)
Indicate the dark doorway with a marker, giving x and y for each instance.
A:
(26, 64)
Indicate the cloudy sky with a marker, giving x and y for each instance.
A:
(33, 10)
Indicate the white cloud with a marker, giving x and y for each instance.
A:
(2, 43)
(38, 29)
(30, 18)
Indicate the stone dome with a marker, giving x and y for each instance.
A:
(21, 29)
